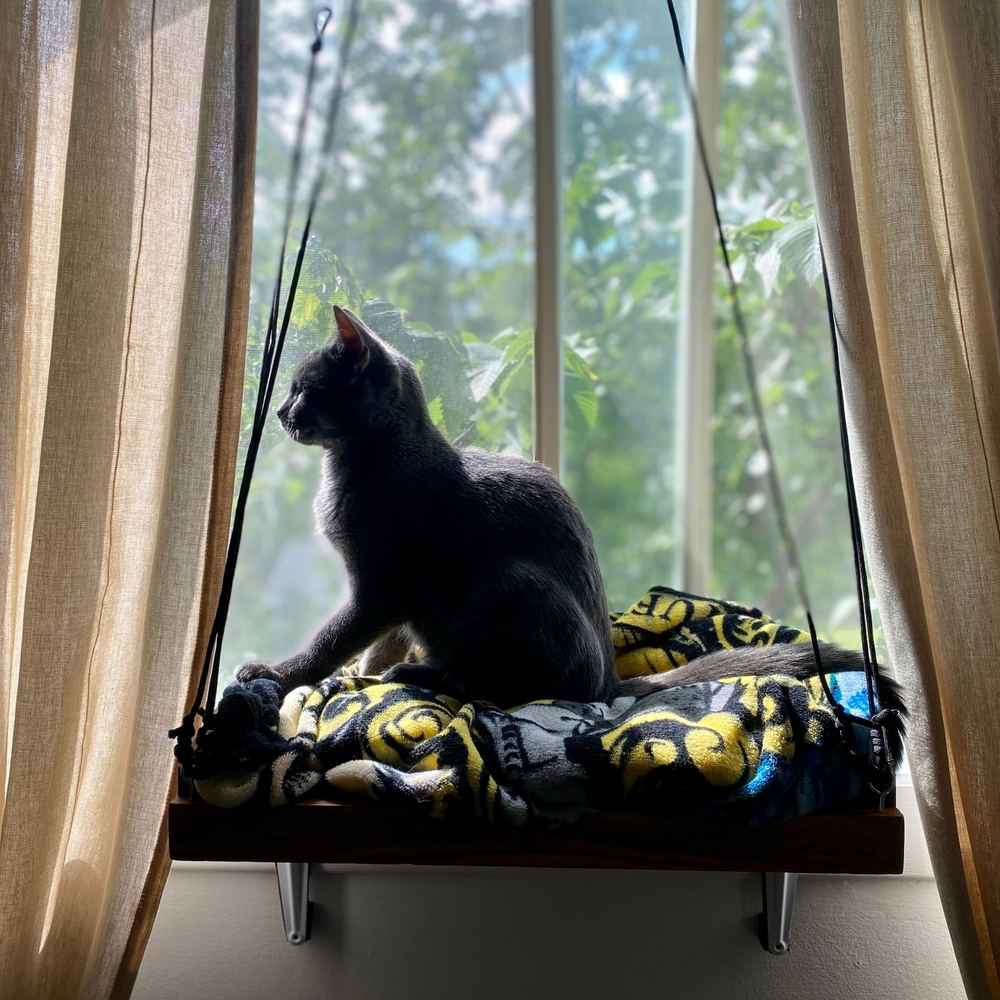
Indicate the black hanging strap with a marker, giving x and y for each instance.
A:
(795, 573)
(881, 766)
(274, 341)
(882, 761)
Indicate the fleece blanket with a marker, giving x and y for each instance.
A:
(743, 749)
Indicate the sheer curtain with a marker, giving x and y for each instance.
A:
(126, 198)
(901, 100)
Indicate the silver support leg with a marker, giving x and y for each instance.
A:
(776, 921)
(293, 888)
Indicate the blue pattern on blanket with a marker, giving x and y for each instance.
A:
(745, 750)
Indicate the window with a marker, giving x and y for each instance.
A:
(427, 228)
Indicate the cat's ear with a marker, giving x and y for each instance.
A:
(352, 338)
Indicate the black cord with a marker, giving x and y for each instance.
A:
(795, 571)
(881, 763)
(857, 543)
(218, 624)
(274, 342)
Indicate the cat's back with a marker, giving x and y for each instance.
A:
(510, 482)
(519, 499)
(487, 468)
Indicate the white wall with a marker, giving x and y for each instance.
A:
(520, 934)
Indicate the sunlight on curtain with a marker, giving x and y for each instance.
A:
(126, 134)
(902, 108)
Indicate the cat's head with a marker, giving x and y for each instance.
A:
(353, 386)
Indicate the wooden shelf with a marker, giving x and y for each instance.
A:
(862, 842)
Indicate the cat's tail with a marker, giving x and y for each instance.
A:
(791, 659)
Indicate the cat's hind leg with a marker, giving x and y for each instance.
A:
(385, 651)
(521, 636)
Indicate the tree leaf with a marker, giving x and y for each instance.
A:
(486, 362)
(798, 243)
(436, 410)
(648, 277)
(768, 266)
(575, 364)
(739, 267)
(760, 226)
(306, 309)
(586, 400)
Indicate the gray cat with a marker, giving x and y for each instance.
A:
(481, 559)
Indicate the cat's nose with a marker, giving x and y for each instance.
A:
(284, 408)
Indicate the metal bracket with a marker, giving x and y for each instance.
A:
(776, 920)
(293, 889)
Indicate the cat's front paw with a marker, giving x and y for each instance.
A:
(258, 671)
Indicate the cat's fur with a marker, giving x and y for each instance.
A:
(481, 559)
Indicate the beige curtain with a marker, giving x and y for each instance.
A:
(126, 193)
(901, 100)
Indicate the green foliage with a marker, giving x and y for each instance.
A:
(763, 177)
(430, 203)
(429, 196)
(623, 198)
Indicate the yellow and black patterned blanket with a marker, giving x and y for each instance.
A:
(751, 749)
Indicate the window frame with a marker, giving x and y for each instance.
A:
(695, 349)
(693, 459)
(547, 403)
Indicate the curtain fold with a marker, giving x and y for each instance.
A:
(901, 102)
(126, 194)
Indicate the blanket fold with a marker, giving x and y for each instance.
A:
(745, 750)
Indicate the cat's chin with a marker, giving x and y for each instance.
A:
(300, 436)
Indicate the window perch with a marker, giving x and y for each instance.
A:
(860, 833)
(859, 841)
